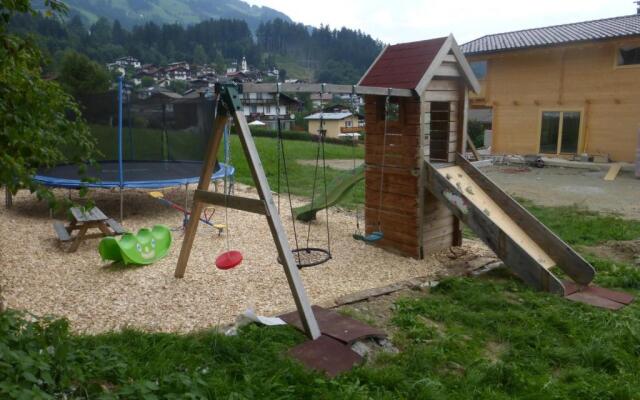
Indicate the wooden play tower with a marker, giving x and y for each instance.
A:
(430, 126)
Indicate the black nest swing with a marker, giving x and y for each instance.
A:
(307, 256)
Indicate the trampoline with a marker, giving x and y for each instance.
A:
(137, 174)
(145, 140)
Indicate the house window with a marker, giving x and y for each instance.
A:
(560, 132)
(479, 68)
(348, 123)
(629, 55)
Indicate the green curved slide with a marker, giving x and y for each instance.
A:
(336, 191)
(147, 247)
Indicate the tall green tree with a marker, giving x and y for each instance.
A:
(199, 55)
(40, 124)
(80, 76)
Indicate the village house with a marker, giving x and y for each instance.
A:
(128, 61)
(179, 73)
(562, 90)
(335, 123)
(320, 99)
(263, 107)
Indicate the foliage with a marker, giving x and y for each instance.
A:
(132, 12)
(81, 76)
(39, 121)
(178, 86)
(578, 226)
(331, 49)
(465, 339)
(476, 132)
(146, 82)
(199, 55)
(338, 56)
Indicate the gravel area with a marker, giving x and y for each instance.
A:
(38, 276)
(556, 186)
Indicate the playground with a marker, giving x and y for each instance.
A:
(190, 268)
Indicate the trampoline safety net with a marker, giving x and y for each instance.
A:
(164, 137)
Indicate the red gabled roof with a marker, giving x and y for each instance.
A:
(402, 65)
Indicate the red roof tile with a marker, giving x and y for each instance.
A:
(402, 65)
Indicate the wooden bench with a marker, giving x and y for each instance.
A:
(115, 225)
(61, 231)
(82, 220)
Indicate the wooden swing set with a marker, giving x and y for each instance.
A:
(228, 107)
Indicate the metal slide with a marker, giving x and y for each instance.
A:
(522, 242)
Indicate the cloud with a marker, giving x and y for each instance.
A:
(409, 20)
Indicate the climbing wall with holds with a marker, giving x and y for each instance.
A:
(394, 164)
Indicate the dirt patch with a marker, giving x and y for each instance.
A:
(378, 311)
(627, 251)
(341, 165)
(494, 351)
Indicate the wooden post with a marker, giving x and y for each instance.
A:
(277, 230)
(210, 159)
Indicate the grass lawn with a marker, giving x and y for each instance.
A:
(300, 176)
(465, 339)
(147, 145)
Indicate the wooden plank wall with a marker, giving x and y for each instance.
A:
(442, 137)
(400, 213)
(441, 104)
(579, 77)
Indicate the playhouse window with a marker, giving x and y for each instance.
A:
(393, 110)
(479, 69)
(628, 55)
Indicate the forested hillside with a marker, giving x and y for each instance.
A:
(137, 12)
(339, 56)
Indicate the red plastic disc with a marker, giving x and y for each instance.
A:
(229, 260)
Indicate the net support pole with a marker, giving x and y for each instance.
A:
(120, 165)
(8, 199)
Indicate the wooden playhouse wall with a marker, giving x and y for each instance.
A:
(400, 213)
(413, 221)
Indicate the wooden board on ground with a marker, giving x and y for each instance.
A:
(613, 172)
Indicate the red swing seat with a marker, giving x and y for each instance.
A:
(229, 260)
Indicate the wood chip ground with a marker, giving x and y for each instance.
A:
(36, 275)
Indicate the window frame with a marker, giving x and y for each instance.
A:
(616, 55)
(562, 110)
(486, 68)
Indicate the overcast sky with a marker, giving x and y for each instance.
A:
(394, 21)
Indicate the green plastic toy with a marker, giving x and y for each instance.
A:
(147, 247)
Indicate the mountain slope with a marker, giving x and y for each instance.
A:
(135, 12)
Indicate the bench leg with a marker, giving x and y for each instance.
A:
(104, 228)
(78, 239)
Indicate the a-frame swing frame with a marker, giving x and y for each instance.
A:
(229, 106)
